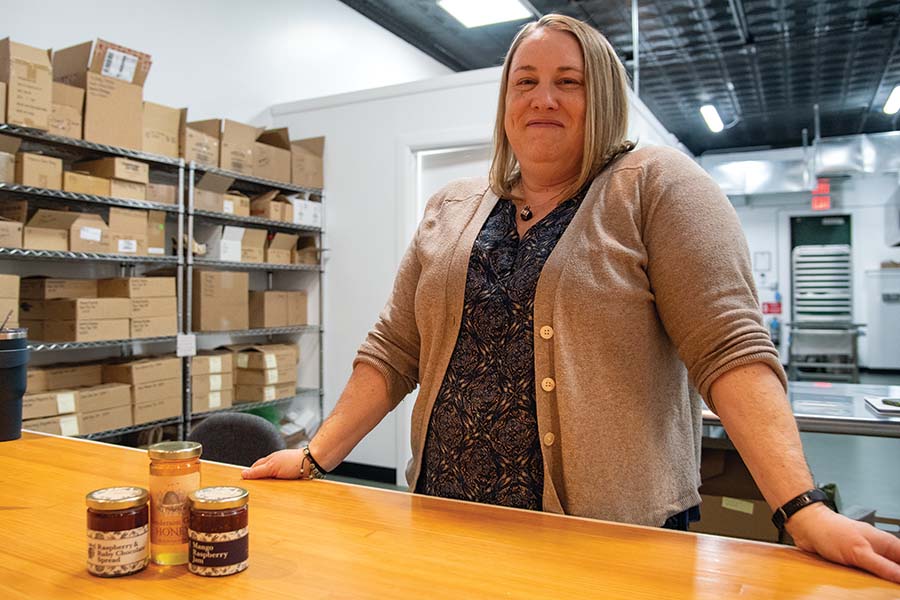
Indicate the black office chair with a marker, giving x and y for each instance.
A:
(236, 438)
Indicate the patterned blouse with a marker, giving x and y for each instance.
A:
(482, 443)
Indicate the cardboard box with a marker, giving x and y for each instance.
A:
(253, 245)
(86, 309)
(162, 193)
(90, 399)
(236, 203)
(39, 238)
(161, 129)
(223, 242)
(47, 288)
(266, 356)
(212, 362)
(152, 390)
(136, 287)
(220, 300)
(86, 330)
(156, 233)
(199, 140)
(82, 183)
(85, 232)
(9, 286)
(28, 76)
(280, 248)
(307, 162)
(211, 401)
(10, 306)
(103, 396)
(2, 102)
(10, 233)
(210, 191)
(263, 393)
(9, 147)
(113, 78)
(142, 308)
(306, 252)
(14, 210)
(145, 370)
(128, 228)
(32, 310)
(35, 329)
(67, 110)
(127, 190)
(38, 170)
(270, 205)
(236, 145)
(285, 374)
(272, 155)
(105, 420)
(306, 212)
(157, 409)
(60, 425)
(124, 169)
(268, 309)
(297, 308)
(43, 379)
(148, 327)
(215, 382)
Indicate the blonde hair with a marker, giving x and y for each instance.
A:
(606, 111)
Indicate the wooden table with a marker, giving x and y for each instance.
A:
(331, 540)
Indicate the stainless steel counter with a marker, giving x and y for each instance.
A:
(836, 408)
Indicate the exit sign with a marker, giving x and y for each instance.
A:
(821, 202)
(821, 196)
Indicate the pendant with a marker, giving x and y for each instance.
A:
(526, 213)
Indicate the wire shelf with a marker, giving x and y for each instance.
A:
(265, 331)
(82, 256)
(245, 406)
(52, 346)
(258, 181)
(246, 266)
(131, 429)
(37, 192)
(267, 223)
(37, 135)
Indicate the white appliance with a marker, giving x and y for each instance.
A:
(883, 318)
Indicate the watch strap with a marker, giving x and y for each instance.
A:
(787, 510)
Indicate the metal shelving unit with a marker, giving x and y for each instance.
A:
(54, 346)
(44, 193)
(248, 406)
(242, 181)
(256, 221)
(132, 429)
(55, 255)
(300, 329)
(246, 266)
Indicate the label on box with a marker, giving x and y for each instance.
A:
(215, 382)
(68, 425)
(65, 403)
(228, 206)
(215, 364)
(270, 393)
(92, 234)
(271, 376)
(156, 251)
(129, 246)
(215, 399)
(185, 345)
(738, 505)
(119, 65)
(271, 361)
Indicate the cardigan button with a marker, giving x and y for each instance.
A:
(546, 332)
(547, 384)
(549, 438)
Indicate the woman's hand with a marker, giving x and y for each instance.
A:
(839, 539)
(284, 464)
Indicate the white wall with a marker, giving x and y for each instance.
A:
(230, 58)
(371, 206)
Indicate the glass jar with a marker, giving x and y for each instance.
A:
(117, 531)
(218, 532)
(174, 473)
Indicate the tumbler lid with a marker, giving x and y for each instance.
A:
(14, 334)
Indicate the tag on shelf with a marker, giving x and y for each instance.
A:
(186, 345)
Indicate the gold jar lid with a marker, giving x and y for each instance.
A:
(175, 450)
(219, 498)
(116, 498)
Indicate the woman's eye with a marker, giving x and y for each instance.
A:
(525, 82)
(569, 82)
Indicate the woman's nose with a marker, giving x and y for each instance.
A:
(544, 98)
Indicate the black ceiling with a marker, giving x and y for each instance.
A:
(763, 63)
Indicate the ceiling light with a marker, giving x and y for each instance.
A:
(475, 13)
(712, 118)
(893, 102)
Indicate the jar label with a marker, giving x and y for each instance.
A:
(169, 510)
(113, 553)
(215, 554)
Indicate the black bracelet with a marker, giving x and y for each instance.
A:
(315, 462)
(787, 510)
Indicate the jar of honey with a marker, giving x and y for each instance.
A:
(117, 531)
(218, 531)
(174, 473)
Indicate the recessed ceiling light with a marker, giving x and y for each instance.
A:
(712, 118)
(893, 102)
(476, 13)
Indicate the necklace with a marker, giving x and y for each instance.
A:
(525, 214)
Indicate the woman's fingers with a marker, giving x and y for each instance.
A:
(261, 469)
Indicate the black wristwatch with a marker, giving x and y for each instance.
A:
(786, 511)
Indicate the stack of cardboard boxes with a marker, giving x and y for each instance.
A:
(155, 386)
(265, 372)
(212, 380)
(272, 308)
(152, 303)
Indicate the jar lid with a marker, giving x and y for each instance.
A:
(175, 450)
(116, 498)
(219, 497)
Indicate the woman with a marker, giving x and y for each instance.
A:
(560, 318)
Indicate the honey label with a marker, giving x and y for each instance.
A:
(169, 510)
(112, 553)
(217, 554)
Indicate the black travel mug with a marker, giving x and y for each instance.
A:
(13, 378)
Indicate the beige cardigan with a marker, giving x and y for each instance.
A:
(646, 299)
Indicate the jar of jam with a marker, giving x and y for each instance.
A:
(174, 473)
(218, 532)
(117, 531)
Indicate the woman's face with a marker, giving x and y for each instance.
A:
(545, 102)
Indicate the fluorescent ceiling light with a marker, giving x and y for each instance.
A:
(475, 13)
(893, 102)
(712, 118)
